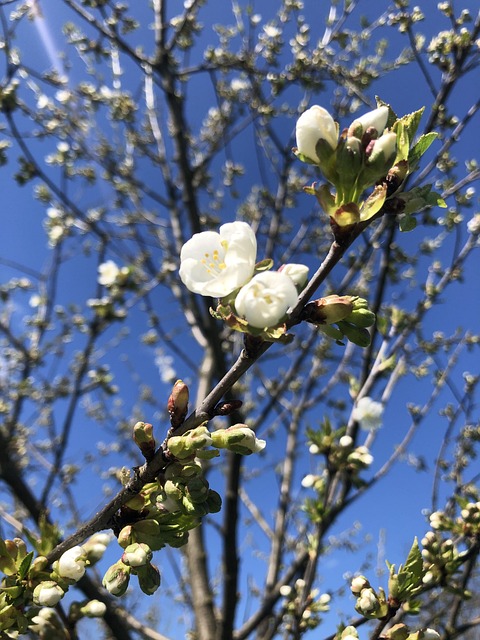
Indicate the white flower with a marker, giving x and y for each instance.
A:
(215, 264)
(362, 456)
(108, 273)
(298, 273)
(72, 564)
(271, 31)
(47, 594)
(368, 413)
(264, 300)
(313, 125)
(376, 119)
(473, 225)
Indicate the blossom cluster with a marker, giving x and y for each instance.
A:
(223, 265)
(29, 590)
(375, 150)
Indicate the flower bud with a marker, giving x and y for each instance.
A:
(47, 594)
(143, 438)
(328, 310)
(148, 578)
(96, 546)
(357, 335)
(376, 119)
(316, 134)
(137, 555)
(239, 439)
(116, 578)
(367, 602)
(94, 609)
(148, 531)
(178, 403)
(397, 632)
(349, 161)
(358, 584)
(71, 564)
(380, 158)
(185, 446)
(298, 273)
(349, 633)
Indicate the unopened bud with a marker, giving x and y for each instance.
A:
(47, 594)
(94, 609)
(137, 555)
(357, 335)
(328, 310)
(397, 632)
(117, 578)
(359, 583)
(143, 437)
(178, 403)
(148, 578)
(185, 446)
(239, 439)
(226, 408)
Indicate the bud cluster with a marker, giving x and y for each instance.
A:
(28, 582)
(370, 604)
(441, 558)
(303, 611)
(350, 314)
(374, 151)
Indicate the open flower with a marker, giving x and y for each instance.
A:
(368, 413)
(264, 300)
(314, 125)
(215, 264)
(108, 273)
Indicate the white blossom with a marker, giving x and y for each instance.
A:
(386, 146)
(264, 301)
(368, 413)
(473, 225)
(285, 590)
(313, 125)
(72, 564)
(215, 264)
(108, 273)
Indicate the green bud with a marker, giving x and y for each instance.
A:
(214, 501)
(148, 532)
(143, 437)
(116, 579)
(361, 318)
(185, 446)
(239, 439)
(328, 310)
(357, 335)
(126, 536)
(397, 632)
(94, 609)
(349, 162)
(137, 555)
(148, 578)
(178, 403)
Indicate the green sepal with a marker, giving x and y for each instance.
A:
(392, 116)
(264, 265)
(410, 123)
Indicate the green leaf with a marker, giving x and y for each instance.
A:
(403, 142)
(407, 223)
(410, 122)
(419, 198)
(414, 562)
(25, 565)
(419, 148)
